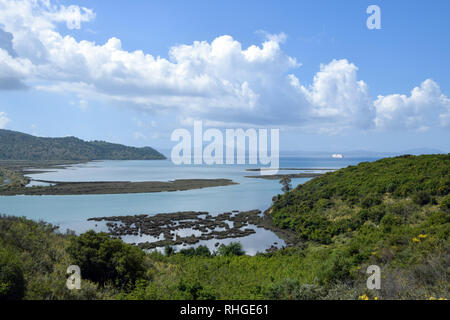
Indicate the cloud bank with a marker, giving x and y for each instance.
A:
(218, 81)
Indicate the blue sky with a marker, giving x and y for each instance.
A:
(60, 78)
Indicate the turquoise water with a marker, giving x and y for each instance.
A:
(72, 212)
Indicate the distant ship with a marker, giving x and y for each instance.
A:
(338, 156)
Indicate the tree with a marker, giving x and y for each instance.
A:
(286, 183)
(201, 251)
(233, 249)
(103, 259)
(169, 250)
(12, 282)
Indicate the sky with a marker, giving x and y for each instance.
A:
(131, 72)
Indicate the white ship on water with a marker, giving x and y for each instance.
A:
(338, 156)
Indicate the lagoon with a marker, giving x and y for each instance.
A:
(72, 212)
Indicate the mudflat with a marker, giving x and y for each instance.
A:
(15, 172)
(115, 187)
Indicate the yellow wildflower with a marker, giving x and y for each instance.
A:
(422, 236)
(416, 240)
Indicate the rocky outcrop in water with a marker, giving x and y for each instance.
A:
(200, 225)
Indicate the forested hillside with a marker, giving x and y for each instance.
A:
(21, 146)
(388, 192)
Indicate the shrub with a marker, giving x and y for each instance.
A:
(169, 250)
(103, 259)
(421, 198)
(370, 200)
(445, 203)
(193, 290)
(12, 282)
(292, 289)
(201, 251)
(389, 221)
(233, 249)
(336, 269)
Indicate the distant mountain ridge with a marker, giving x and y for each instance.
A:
(21, 146)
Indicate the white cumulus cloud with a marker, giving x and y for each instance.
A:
(426, 106)
(337, 98)
(219, 81)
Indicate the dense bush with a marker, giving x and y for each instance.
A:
(103, 259)
(233, 249)
(12, 282)
(445, 203)
(201, 251)
(289, 289)
(421, 198)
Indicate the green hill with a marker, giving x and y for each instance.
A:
(21, 146)
(401, 190)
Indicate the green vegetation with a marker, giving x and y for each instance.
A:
(33, 263)
(201, 251)
(11, 180)
(394, 213)
(405, 190)
(104, 260)
(12, 282)
(20, 146)
(233, 249)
